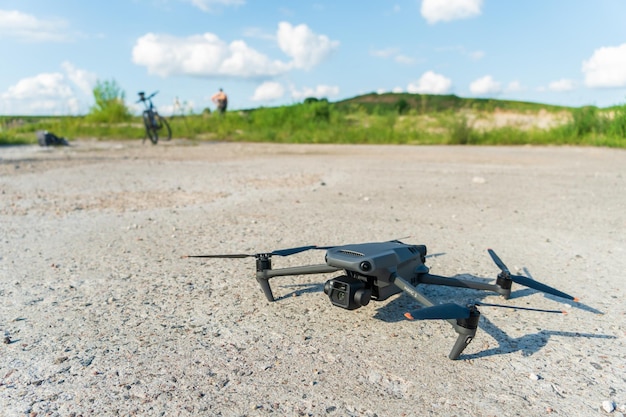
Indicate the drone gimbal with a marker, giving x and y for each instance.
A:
(378, 270)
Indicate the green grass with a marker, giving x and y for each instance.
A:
(370, 119)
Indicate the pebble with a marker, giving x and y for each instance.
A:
(534, 377)
(608, 406)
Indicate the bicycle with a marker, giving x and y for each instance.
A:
(153, 121)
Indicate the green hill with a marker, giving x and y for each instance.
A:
(427, 103)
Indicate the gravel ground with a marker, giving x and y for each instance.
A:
(101, 316)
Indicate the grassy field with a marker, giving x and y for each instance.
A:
(375, 119)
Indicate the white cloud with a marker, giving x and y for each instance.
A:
(40, 86)
(207, 55)
(202, 55)
(446, 10)
(268, 91)
(49, 93)
(606, 67)
(305, 47)
(83, 79)
(561, 85)
(485, 86)
(321, 91)
(26, 27)
(212, 5)
(430, 83)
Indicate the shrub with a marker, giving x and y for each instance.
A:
(402, 106)
(321, 111)
(617, 126)
(110, 106)
(585, 120)
(460, 131)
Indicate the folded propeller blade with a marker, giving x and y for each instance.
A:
(528, 282)
(539, 310)
(454, 311)
(498, 261)
(229, 255)
(279, 252)
(292, 251)
(536, 285)
(440, 312)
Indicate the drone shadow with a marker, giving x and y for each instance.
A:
(394, 310)
(528, 344)
(299, 290)
(574, 304)
(571, 303)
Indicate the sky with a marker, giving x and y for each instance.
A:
(276, 52)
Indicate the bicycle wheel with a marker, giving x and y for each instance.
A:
(153, 134)
(164, 126)
(151, 130)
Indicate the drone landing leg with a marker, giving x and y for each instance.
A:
(264, 263)
(264, 272)
(465, 327)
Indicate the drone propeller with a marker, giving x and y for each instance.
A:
(539, 310)
(454, 311)
(440, 312)
(279, 252)
(527, 282)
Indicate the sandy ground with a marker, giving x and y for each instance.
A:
(101, 316)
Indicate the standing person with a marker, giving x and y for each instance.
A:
(221, 100)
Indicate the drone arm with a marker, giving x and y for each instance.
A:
(463, 283)
(406, 286)
(296, 270)
(466, 328)
(263, 275)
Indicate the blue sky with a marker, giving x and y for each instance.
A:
(272, 52)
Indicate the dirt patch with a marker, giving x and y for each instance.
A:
(525, 121)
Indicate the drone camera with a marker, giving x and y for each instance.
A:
(347, 292)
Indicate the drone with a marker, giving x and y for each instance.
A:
(378, 270)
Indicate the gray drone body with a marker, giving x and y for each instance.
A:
(379, 259)
(375, 264)
(378, 270)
